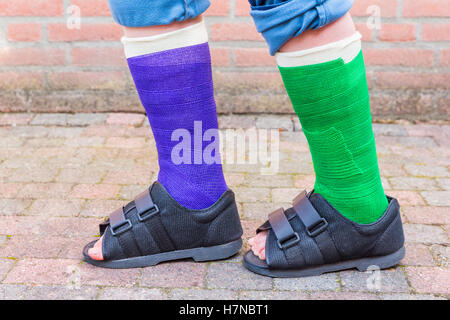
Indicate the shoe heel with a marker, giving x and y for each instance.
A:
(218, 252)
(383, 262)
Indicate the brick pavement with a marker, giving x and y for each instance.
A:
(61, 174)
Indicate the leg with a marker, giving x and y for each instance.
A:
(171, 67)
(324, 75)
(335, 31)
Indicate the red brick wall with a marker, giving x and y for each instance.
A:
(44, 66)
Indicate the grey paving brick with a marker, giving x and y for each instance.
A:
(85, 119)
(272, 295)
(203, 294)
(391, 280)
(224, 275)
(317, 283)
(48, 119)
(110, 293)
(389, 129)
(405, 296)
(437, 198)
(424, 234)
(13, 291)
(43, 292)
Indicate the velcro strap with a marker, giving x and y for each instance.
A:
(144, 202)
(116, 217)
(316, 227)
(120, 227)
(287, 239)
(281, 226)
(313, 222)
(148, 214)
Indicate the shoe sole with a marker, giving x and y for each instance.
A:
(363, 264)
(202, 254)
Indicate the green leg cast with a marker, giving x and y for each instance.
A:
(331, 100)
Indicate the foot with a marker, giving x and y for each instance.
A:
(258, 245)
(96, 251)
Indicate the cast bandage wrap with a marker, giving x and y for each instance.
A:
(347, 49)
(189, 36)
(331, 100)
(172, 74)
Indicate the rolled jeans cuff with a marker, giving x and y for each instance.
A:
(143, 13)
(280, 20)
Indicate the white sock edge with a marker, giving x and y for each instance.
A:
(347, 49)
(189, 36)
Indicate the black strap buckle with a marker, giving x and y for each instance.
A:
(317, 228)
(114, 228)
(142, 216)
(289, 242)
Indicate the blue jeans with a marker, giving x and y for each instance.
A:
(277, 20)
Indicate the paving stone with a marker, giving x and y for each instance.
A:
(129, 192)
(45, 190)
(132, 294)
(5, 267)
(252, 194)
(427, 214)
(95, 276)
(85, 119)
(389, 129)
(424, 234)
(426, 170)
(119, 142)
(13, 119)
(407, 198)
(441, 254)
(203, 294)
(85, 142)
(100, 208)
(68, 292)
(48, 119)
(273, 295)
(41, 271)
(14, 206)
(317, 283)
(95, 191)
(332, 295)
(284, 194)
(444, 183)
(417, 255)
(75, 175)
(437, 198)
(125, 119)
(224, 275)
(32, 246)
(283, 123)
(13, 292)
(64, 132)
(412, 183)
(10, 142)
(2, 240)
(405, 296)
(56, 207)
(256, 180)
(62, 174)
(233, 121)
(304, 182)
(189, 274)
(141, 176)
(391, 280)
(261, 210)
(429, 279)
